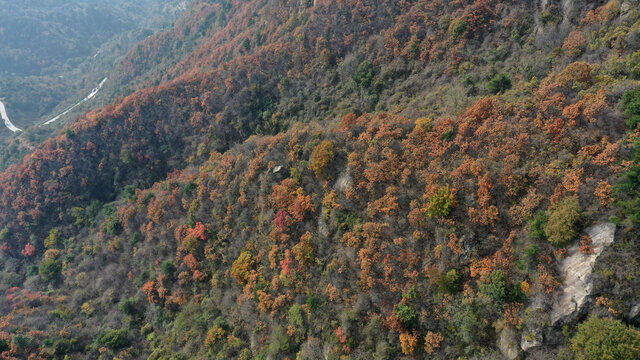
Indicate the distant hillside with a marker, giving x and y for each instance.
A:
(55, 52)
(41, 37)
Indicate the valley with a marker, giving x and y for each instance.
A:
(91, 95)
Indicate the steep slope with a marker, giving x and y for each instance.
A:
(162, 227)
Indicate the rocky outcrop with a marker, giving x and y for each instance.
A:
(635, 310)
(530, 339)
(576, 270)
(508, 344)
(343, 182)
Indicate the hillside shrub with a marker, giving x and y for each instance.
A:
(441, 203)
(563, 219)
(65, 346)
(241, 267)
(364, 74)
(5, 233)
(168, 268)
(406, 314)
(53, 240)
(452, 281)
(500, 83)
(538, 224)
(457, 28)
(547, 17)
(495, 287)
(605, 339)
(50, 270)
(631, 107)
(279, 342)
(22, 341)
(113, 339)
(321, 157)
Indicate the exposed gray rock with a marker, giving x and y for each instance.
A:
(576, 270)
(635, 310)
(323, 229)
(530, 339)
(508, 344)
(311, 350)
(343, 182)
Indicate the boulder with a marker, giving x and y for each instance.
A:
(343, 182)
(576, 270)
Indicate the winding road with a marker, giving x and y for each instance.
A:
(10, 126)
(5, 117)
(89, 97)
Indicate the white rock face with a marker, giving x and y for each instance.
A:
(323, 229)
(576, 269)
(508, 344)
(343, 182)
(635, 310)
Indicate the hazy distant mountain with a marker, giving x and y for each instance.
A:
(53, 53)
(41, 36)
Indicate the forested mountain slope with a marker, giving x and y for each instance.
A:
(341, 180)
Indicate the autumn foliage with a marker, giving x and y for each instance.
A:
(212, 216)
